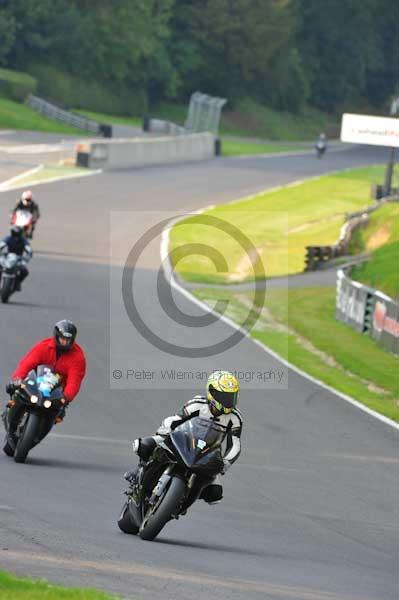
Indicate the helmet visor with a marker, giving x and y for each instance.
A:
(227, 400)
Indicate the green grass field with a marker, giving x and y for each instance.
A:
(382, 228)
(249, 118)
(381, 271)
(278, 224)
(111, 119)
(300, 325)
(234, 147)
(14, 115)
(16, 588)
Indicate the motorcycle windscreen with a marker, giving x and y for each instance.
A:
(35, 380)
(198, 442)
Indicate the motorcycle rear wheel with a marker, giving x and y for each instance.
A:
(152, 525)
(7, 288)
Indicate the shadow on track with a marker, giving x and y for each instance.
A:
(31, 304)
(18, 304)
(55, 463)
(214, 547)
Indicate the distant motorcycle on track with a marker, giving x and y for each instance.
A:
(321, 145)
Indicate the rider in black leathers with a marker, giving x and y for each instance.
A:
(17, 244)
(219, 404)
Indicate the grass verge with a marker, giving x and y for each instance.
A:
(253, 119)
(235, 147)
(279, 224)
(300, 326)
(111, 119)
(381, 271)
(14, 115)
(16, 588)
(382, 228)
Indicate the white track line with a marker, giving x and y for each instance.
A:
(4, 185)
(52, 180)
(169, 274)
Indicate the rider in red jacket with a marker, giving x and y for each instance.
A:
(63, 355)
(60, 352)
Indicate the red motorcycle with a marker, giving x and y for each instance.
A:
(25, 220)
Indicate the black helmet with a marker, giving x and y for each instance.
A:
(16, 231)
(64, 334)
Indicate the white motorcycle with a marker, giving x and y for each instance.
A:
(10, 265)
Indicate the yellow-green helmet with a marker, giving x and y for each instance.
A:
(222, 392)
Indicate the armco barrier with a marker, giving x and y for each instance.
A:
(385, 323)
(353, 303)
(368, 311)
(119, 154)
(317, 256)
(65, 116)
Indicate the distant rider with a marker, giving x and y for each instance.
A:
(321, 145)
(17, 244)
(220, 404)
(64, 356)
(27, 203)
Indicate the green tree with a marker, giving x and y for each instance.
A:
(382, 74)
(337, 41)
(7, 33)
(232, 47)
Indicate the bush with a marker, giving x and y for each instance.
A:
(72, 91)
(16, 85)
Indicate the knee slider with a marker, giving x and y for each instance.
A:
(212, 492)
(145, 447)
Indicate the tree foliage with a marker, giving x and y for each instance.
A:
(284, 53)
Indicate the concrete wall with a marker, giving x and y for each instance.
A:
(119, 154)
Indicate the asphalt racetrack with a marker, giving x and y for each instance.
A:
(311, 508)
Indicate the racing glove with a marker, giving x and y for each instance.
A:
(62, 412)
(12, 386)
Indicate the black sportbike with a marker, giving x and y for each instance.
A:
(9, 266)
(32, 410)
(179, 468)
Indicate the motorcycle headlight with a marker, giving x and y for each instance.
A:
(34, 399)
(47, 403)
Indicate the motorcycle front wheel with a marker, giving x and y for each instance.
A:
(27, 438)
(156, 518)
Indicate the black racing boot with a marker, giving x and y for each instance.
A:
(8, 448)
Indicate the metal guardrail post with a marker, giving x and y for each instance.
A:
(51, 110)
